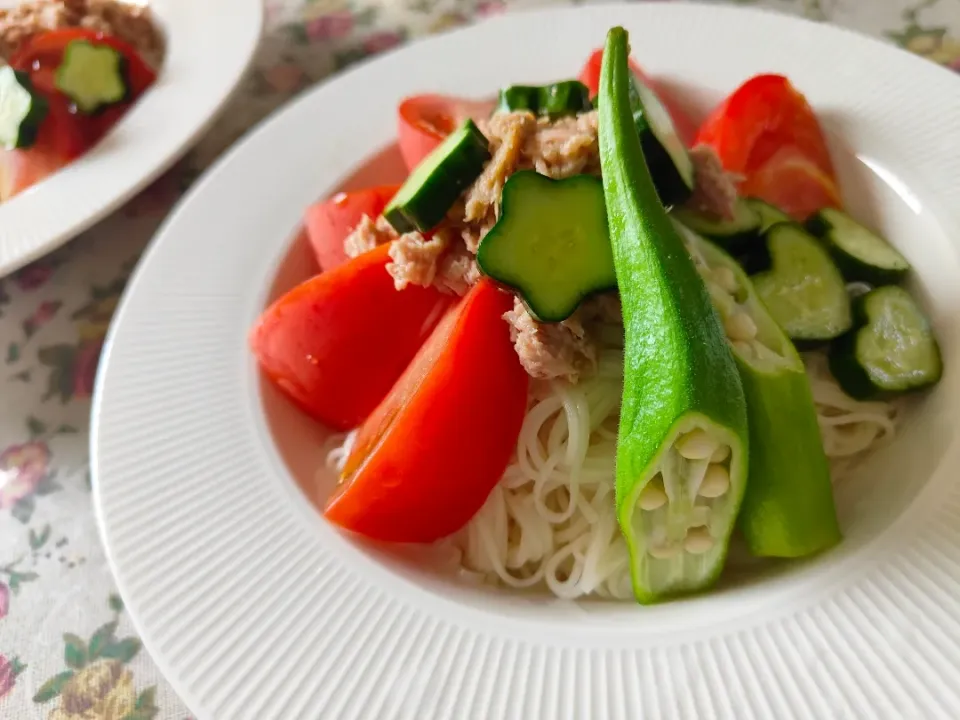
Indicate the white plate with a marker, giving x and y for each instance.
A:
(209, 45)
(255, 608)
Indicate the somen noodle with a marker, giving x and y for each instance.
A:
(551, 521)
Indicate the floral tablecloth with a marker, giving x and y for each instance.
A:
(67, 650)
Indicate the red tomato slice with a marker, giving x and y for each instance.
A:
(60, 140)
(336, 343)
(329, 222)
(794, 183)
(426, 460)
(423, 121)
(590, 76)
(42, 54)
(764, 114)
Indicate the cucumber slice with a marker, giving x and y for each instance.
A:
(769, 214)
(21, 110)
(423, 200)
(738, 235)
(665, 154)
(803, 290)
(682, 445)
(788, 509)
(891, 349)
(92, 76)
(861, 254)
(516, 98)
(551, 243)
(564, 98)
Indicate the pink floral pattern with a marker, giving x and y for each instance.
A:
(330, 27)
(54, 315)
(378, 42)
(493, 7)
(22, 468)
(33, 276)
(7, 677)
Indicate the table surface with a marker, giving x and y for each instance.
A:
(67, 650)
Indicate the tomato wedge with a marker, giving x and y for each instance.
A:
(423, 121)
(590, 76)
(329, 222)
(763, 115)
(424, 463)
(794, 183)
(336, 343)
(60, 139)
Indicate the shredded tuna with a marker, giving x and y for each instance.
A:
(550, 350)
(507, 133)
(565, 147)
(415, 259)
(367, 235)
(131, 23)
(458, 271)
(558, 149)
(715, 191)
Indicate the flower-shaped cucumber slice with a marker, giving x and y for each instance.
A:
(551, 243)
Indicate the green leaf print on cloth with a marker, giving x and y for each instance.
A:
(98, 683)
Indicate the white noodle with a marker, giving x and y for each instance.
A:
(551, 521)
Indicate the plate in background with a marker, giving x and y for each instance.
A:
(209, 45)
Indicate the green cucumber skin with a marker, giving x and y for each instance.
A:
(519, 97)
(738, 244)
(398, 220)
(666, 178)
(422, 203)
(852, 268)
(850, 374)
(555, 100)
(788, 510)
(30, 124)
(769, 214)
(564, 98)
(847, 371)
(676, 360)
(518, 280)
(670, 186)
(842, 358)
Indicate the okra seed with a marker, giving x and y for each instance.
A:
(663, 552)
(696, 445)
(740, 326)
(725, 304)
(745, 349)
(653, 496)
(720, 454)
(697, 541)
(716, 481)
(725, 278)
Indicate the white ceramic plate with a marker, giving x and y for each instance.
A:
(209, 45)
(255, 608)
